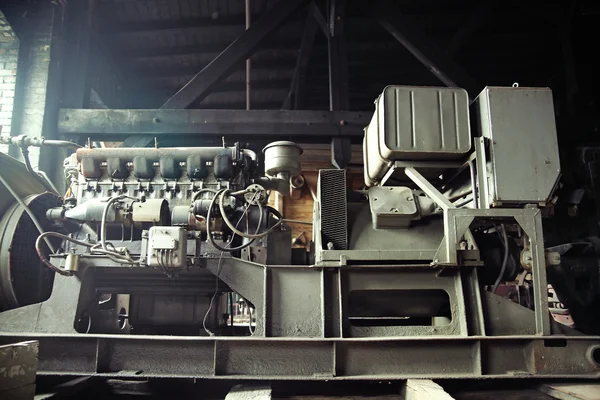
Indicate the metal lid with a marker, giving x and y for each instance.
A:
(283, 143)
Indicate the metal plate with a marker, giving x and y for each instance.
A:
(520, 129)
(416, 123)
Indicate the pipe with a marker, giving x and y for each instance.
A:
(26, 141)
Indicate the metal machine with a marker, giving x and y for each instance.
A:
(400, 282)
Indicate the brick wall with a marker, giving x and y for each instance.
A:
(9, 54)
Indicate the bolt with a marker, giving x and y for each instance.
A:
(374, 198)
(547, 162)
(330, 246)
(409, 199)
(394, 210)
(156, 120)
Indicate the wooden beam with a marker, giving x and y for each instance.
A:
(105, 123)
(318, 15)
(338, 57)
(298, 84)
(339, 97)
(239, 50)
(206, 48)
(174, 24)
(176, 71)
(427, 52)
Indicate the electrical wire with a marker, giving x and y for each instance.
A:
(212, 299)
(294, 221)
(220, 265)
(237, 231)
(504, 260)
(27, 210)
(209, 233)
(42, 257)
(201, 191)
(250, 321)
(230, 298)
(105, 215)
(112, 254)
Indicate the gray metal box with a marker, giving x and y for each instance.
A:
(520, 130)
(416, 123)
(167, 247)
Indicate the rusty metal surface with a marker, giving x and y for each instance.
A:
(18, 366)
(524, 356)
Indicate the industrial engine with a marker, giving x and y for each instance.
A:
(405, 276)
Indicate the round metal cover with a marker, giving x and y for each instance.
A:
(24, 279)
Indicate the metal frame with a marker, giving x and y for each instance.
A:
(315, 359)
(116, 123)
(312, 342)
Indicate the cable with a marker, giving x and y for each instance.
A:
(209, 233)
(294, 221)
(237, 231)
(113, 255)
(250, 321)
(205, 190)
(504, 261)
(224, 249)
(42, 257)
(212, 299)
(230, 298)
(105, 214)
(28, 211)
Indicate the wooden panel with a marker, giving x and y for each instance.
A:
(314, 158)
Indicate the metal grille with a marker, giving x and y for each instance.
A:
(31, 280)
(334, 211)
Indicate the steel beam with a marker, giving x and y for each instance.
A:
(115, 123)
(415, 41)
(319, 359)
(198, 87)
(18, 365)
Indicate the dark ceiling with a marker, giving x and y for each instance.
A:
(160, 44)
